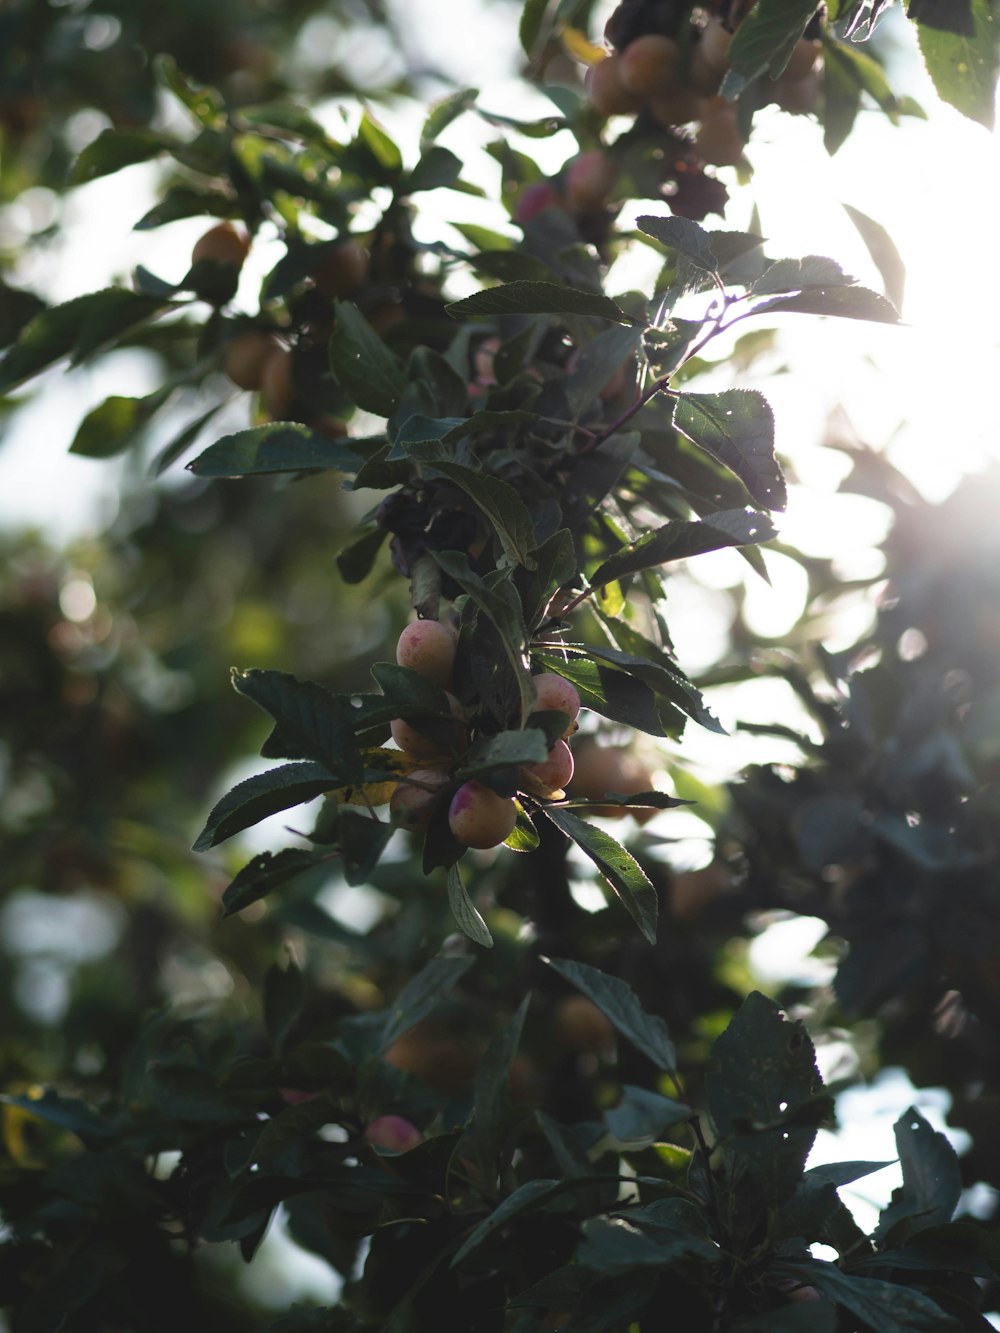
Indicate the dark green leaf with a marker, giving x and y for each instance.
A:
(506, 511)
(379, 144)
(508, 749)
(652, 665)
(65, 1113)
(114, 149)
(75, 329)
(532, 17)
(363, 365)
(657, 1235)
(792, 275)
(410, 694)
(188, 1092)
(962, 58)
(284, 997)
(555, 565)
(464, 910)
(362, 839)
(618, 1001)
(537, 298)
(312, 721)
(681, 538)
(736, 428)
(491, 1098)
(264, 873)
(885, 1306)
(266, 794)
(437, 169)
(763, 1095)
(355, 561)
(614, 694)
(421, 994)
(765, 40)
(932, 1180)
(684, 236)
(599, 361)
(280, 446)
(180, 201)
(845, 302)
(843, 1173)
(526, 1197)
(641, 1117)
(182, 441)
(805, 1317)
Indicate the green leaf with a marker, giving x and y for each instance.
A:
(381, 147)
(314, 723)
(182, 441)
(537, 298)
(356, 560)
(642, 1116)
(681, 538)
(844, 302)
(284, 998)
(506, 511)
(524, 1198)
(368, 372)
(684, 236)
(437, 169)
(932, 1180)
(205, 104)
(508, 749)
(618, 1001)
(792, 275)
(765, 40)
(180, 202)
(806, 1317)
(652, 665)
(882, 249)
(421, 994)
(280, 446)
(362, 840)
(444, 112)
(886, 1306)
(554, 566)
(766, 1096)
(114, 149)
(114, 425)
(530, 26)
(614, 694)
(491, 1098)
(962, 54)
(524, 837)
(736, 428)
(266, 794)
(76, 329)
(465, 912)
(657, 1235)
(409, 694)
(599, 361)
(266, 872)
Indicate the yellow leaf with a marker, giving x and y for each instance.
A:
(581, 48)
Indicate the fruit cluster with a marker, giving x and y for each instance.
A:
(675, 79)
(255, 359)
(478, 816)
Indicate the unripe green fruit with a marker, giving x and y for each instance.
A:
(223, 244)
(648, 64)
(590, 179)
(607, 93)
(479, 818)
(393, 1133)
(412, 803)
(244, 358)
(554, 692)
(428, 647)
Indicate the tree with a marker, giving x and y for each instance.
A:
(478, 1097)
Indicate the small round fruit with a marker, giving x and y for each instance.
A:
(590, 178)
(276, 383)
(417, 744)
(582, 1026)
(412, 803)
(393, 1133)
(554, 692)
(648, 64)
(428, 647)
(607, 93)
(803, 58)
(714, 44)
(343, 271)
(677, 106)
(554, 772)
(602, 769)
(479, 818)
(691, 891)
(798, 96)
(223, 244)
(244, 357)
(444, 1061)
(535, 199)
(718, 138)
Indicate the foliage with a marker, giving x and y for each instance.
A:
(605, 1130)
